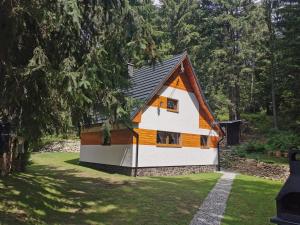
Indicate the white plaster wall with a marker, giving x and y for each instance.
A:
(118, 155)
(185, 121)
(149, 156)
(152, 156)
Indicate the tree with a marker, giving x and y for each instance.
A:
(288, 51)
(58, 58)
(237, 29)
(271, 53)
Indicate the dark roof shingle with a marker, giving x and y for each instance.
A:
(145, 80)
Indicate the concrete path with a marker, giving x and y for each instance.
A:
(213, 208)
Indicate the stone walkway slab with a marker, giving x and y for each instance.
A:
(213, 208)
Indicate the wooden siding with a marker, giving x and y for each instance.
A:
(203, 121)
(121, 137)
(146, 137)
(138, 117)
(190, 140)
(91, 138)
(158, 101)
(118, 137)
(179, 80)
(213, 141)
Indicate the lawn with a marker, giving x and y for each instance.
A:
(56, 190)
(252, 201)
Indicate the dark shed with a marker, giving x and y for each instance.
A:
(232, 130)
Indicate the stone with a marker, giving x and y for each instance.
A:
(253, 167)
(62, 146)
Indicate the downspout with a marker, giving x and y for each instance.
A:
(137, 150)
(218, 149)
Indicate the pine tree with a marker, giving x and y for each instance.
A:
(60, 57)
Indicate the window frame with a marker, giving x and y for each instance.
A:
(177, 105)
(206, 146)
(179, 145)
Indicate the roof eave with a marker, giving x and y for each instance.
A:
(203, 97)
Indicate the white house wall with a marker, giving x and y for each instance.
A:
(184, 121)
(118, 155)
(153, 118)
(152, 156)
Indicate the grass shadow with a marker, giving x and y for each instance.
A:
(71, 194)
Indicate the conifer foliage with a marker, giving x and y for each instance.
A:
(62, 59)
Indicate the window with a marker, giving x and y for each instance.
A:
(172, 105)
(168, 139)
(203, 141)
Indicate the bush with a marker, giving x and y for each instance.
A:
(254, 147)
(282, 140)
(251, 147)
(259, 122)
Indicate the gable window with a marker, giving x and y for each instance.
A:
(204, 141)
(172, 105)
(164, 138)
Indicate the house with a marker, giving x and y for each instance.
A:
(174, 131)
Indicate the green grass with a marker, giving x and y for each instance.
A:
(55, 190)
(252, 201)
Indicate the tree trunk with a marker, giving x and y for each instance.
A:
(274, 102)
(231, 107)
(234, 96)
(269, 8)
(3, 164)
(237, 98)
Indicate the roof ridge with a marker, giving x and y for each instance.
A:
(161, 62)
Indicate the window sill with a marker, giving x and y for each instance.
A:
(169, 145)
(173, 110)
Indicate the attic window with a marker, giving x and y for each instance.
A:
(168, 139)
(204, 141)
(172, 105)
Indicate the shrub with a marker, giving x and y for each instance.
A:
(259, 122)
(254, 147)
(282, 140)
(239, 151)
